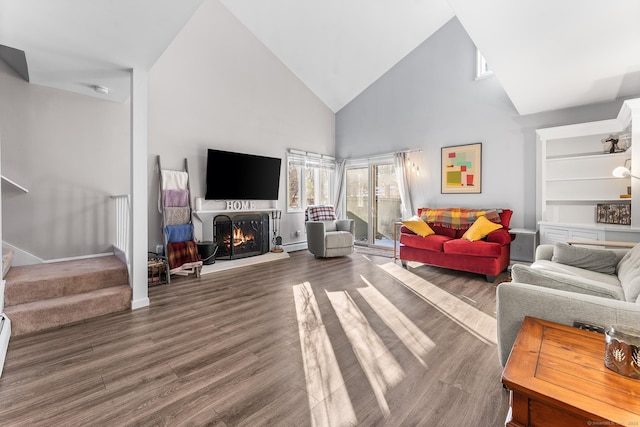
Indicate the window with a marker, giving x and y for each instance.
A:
(483, 69)
(310, 179)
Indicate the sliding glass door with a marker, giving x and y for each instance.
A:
(358, 202)
(373, 201)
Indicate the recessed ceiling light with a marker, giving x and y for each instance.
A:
(101, 90)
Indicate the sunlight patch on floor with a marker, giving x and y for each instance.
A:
(416, 341)
(478, 323)
(377, 362)
(329, 400)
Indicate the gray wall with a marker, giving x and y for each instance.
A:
(217, 86)
(72, 153)
(431, 100)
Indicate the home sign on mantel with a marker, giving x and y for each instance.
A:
(240, 205)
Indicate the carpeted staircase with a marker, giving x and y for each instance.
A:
(49, 295)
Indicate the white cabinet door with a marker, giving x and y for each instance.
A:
(551, 235)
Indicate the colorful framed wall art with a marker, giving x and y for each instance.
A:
(462, 169)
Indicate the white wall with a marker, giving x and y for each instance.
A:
(217, 86)
(431, 100)
(72, 153)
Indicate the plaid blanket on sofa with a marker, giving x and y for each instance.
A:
(457, 218)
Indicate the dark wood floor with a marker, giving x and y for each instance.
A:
(226, 350)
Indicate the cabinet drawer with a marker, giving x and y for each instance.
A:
(584, 234)
(553, 235)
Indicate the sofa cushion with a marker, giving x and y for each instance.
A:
(418, 226)
(480, 228)
(567, 281)
(631, 289)
(501, 237)
(320, 213)
(629, 273)
(598, 260)
(547, 265)
(444, 231)
(429, 243)
(477, 248)
(338, 239)
(505, 217)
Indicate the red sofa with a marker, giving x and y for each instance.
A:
(489, 256)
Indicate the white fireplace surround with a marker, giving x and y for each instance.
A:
(206, 210)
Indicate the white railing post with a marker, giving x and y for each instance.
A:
(123, 226)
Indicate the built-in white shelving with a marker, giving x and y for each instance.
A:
(574, 175)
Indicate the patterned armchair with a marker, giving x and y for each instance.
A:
(328, 236)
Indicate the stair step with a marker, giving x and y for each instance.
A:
(30, 283)
(50, 313)
(7, 259)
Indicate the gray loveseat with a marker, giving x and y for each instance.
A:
(568, 284)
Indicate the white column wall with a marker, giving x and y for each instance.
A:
(139, 211)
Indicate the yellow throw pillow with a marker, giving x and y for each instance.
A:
(480, 228)
(418, 226)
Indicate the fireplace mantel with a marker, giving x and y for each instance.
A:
(206, 210)
(206, 214)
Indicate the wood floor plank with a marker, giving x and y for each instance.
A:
(224, 350)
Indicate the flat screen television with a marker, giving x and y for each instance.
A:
(238, 176)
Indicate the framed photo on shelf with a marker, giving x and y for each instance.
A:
(461, 169)
(613, 213)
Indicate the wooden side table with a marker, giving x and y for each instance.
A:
(395, 239)
(557, 377)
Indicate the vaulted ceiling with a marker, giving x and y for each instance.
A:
(75, 45)
(547, 54)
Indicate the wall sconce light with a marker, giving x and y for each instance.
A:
(623, 171)
(414, 168)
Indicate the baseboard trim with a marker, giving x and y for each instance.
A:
(75, 258)
(21, 257)
(140, 303)
(295, 247)
(5, 334)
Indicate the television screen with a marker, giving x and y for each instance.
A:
(238, 176)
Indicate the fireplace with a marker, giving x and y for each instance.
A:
(242, 235)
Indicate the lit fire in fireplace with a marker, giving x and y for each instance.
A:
(244, 235)
(239, 238)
